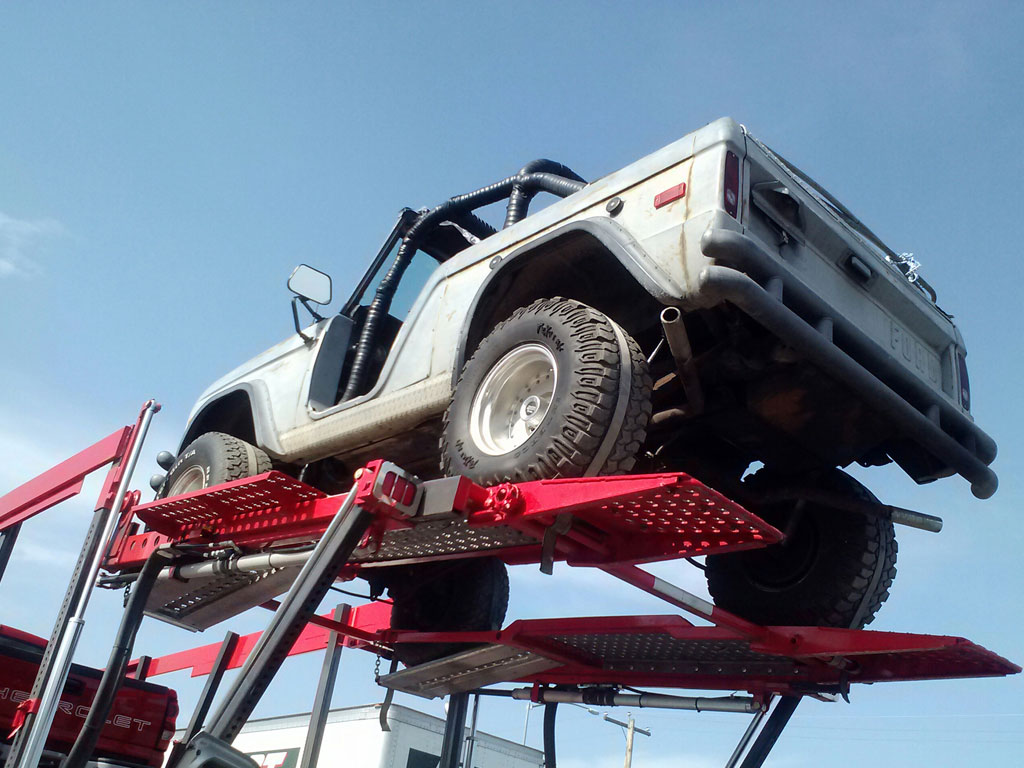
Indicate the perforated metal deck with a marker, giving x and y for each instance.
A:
(612, 520)
(615, 519)
(246, 504)
(669, 652)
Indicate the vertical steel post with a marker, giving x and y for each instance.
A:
(114, 674)
(142, 668)
(7, 539)
(195, 723)
(220, 666)
(324, 689)
(27, 748)
(471, 739)
(321, 569)
(454, 730)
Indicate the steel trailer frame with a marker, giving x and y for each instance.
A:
(611, 523)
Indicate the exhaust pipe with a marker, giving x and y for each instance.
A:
(682, 353)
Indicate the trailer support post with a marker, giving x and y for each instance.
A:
(454, 730)
(471, 738)
(211, 747)
(8, 537)
(324, 690)
(771, 732)
(748, 734)
(27, 747)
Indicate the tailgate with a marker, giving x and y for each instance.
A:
(834, 258)
(140, 724)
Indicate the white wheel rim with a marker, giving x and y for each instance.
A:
(193, 479)
(513, 399)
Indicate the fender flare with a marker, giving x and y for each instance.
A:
(610, 234)
(258, 398)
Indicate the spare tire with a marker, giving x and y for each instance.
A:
(834, 568)
(556, 390)
(211, 459)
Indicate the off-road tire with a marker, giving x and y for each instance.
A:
(585, 345)
(220, 457)
(835, 570)
(457, 595)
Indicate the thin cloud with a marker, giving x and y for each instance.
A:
(22, 242)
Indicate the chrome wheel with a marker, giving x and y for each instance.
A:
(193, 479)
(513, 399)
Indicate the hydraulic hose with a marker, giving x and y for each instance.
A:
(81, 751)
(550, 710)
(451, 210)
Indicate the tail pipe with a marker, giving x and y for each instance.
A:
(682, 353)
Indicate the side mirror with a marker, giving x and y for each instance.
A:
(310, 284)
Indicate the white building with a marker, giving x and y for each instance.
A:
(353, 739)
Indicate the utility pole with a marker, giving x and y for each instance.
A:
(629, 741)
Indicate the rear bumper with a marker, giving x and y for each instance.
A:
(929, 420)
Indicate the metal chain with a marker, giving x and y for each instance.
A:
(376, 669)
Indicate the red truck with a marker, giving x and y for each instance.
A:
(138, 730)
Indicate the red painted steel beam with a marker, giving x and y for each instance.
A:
(682, 599)
(348, 629)
(63, 481)
(365, 623)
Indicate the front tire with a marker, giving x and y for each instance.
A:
(211, 459)
(556, 390)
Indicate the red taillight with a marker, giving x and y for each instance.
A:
(731, 197)
(389, 483)
(170, 722)
(965, 382)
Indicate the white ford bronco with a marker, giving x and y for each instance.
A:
(703, 309)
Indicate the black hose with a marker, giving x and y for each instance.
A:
(550, 710)
(522, 194)
(109, 685)
(451, 209)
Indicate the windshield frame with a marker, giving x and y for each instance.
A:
(405, 218)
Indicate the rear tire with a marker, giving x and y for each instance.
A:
(556, 390)
(211, 459)
(834, 569)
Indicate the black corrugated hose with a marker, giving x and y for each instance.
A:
(545, 179)
(81, 751)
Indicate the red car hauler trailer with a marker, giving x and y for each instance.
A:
(211, 553)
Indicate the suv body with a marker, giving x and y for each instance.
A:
(812, 347)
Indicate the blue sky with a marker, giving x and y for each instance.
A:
(163, 167)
